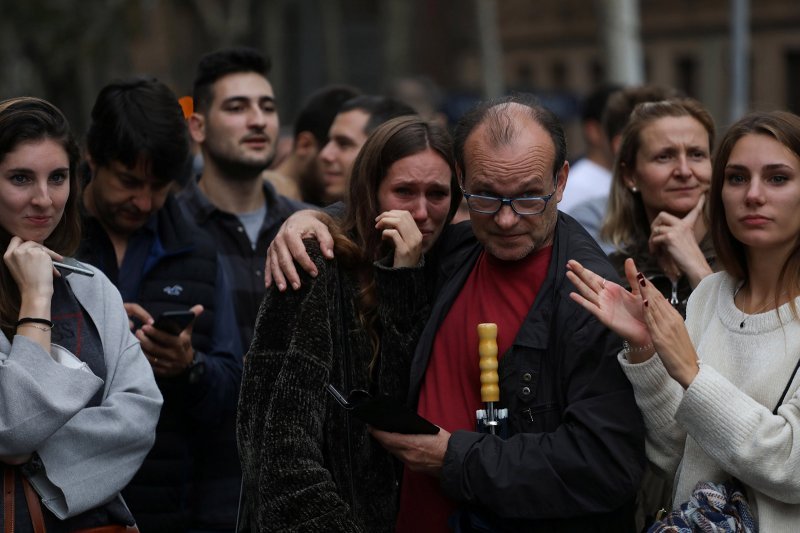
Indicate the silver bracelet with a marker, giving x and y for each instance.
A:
(630, 349)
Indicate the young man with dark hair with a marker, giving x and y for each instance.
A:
(138, 235)
(235, 123)
(310, 136)
(355, 121)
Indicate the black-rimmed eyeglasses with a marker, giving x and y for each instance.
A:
(522, 205)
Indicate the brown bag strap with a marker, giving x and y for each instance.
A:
(34, 506)
(8, 499)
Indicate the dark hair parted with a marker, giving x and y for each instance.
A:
(358, 244)
(379, 108)
(220, 63)
(626, 220)
(784, 127)
(320, 109)
(139, 119)
(498, 116)
(24, 120)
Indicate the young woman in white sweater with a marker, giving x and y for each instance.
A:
(709, 388)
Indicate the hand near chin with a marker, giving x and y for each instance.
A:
(674, 243)
(398, 227)
(31, 266)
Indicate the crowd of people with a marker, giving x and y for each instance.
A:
(188, 323)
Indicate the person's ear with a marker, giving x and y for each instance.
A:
(561, 180)
(305, 145)
(460, 178)
(197, 127)
(628, 177)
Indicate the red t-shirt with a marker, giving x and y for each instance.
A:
(495, 291)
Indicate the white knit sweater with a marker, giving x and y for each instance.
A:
(723, 425)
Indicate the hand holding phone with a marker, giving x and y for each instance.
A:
(173, 322)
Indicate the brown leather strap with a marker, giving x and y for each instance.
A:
(8, 499)
(34, 506)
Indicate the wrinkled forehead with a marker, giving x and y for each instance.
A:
(525, 153)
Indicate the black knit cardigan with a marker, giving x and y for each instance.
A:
(307, 464)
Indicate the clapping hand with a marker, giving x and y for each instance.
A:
(669, 336)
(618, 309)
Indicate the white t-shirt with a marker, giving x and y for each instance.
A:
(586, 180)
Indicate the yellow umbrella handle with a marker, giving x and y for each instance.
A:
(487, 351)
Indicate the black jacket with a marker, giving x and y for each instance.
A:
(195, 454)
(575, 454)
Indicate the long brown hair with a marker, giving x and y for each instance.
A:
(784, 127)
(356, 242)
(29, 119)
(626, 220)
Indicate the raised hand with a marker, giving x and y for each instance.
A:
(287, 247)
(399, 227)
(618, 309)
(669, 336)
(673, 242)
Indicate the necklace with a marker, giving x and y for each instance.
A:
(757, 311)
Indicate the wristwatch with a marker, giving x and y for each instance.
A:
(197, 367)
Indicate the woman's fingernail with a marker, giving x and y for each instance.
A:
(642, 283)
(639, 276)
(645, 303)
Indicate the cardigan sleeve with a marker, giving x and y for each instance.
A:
(657, 396)
(282, 409)
(403, 308)
(92, 457)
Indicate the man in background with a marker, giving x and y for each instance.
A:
(137, 234)
(590, 176)
(235, 123)
(357, 118)
(302, 165)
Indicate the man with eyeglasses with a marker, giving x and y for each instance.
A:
(575, 451)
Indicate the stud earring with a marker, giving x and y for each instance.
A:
(634, 190)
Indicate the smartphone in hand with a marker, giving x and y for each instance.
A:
(173, 322)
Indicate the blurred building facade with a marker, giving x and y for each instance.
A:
(65, 50)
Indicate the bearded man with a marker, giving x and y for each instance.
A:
(235, 123)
